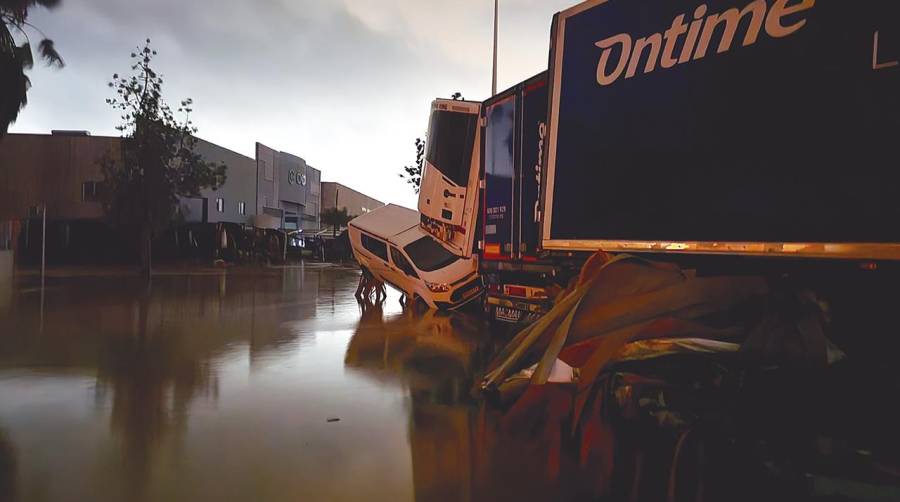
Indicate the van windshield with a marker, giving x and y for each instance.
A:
(451, 137)
(428, 255)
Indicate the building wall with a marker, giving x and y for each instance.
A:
(312, 212)
(267, 189)
(356, 202)
(240, 186)
(291, 173)
(6, 280)
(39, 168)
(289, 188)
(6, 265)
(42, 168)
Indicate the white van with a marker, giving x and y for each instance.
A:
(390, 243)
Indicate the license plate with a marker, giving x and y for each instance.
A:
(506, 314)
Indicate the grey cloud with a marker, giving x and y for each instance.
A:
(344, 87)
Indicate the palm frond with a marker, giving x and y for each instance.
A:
(49, 4)
(7, 42)
(24, 5)
(49, 54)
(16, 59)
(14, 85)
(14, 5)
(24, 57)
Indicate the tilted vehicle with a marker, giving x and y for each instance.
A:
(390, 243)
(745, 134)
(731, 138)
(503, 186)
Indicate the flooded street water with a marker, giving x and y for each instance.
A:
(269, 385)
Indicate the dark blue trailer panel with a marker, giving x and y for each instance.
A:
(499, 176)
(533, 132)
(514, 129)
(737, 126)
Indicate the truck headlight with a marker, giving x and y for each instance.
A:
(437, 287)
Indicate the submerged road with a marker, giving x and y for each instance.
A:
(270, 385)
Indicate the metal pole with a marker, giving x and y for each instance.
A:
(496, 29)
(44, 246)
(43, 264)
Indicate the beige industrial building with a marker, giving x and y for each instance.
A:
(62, 171)
(336, 195)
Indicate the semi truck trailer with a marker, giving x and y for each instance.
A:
(728, 135)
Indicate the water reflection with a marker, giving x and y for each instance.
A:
(152, 378)
(433, 356)
(120, 375)
(272, 385)
(461, 450)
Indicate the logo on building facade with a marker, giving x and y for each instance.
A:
(296, 178)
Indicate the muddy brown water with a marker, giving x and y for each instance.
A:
(272, 385)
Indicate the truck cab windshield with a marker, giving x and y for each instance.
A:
(428, 255)
(450, 141)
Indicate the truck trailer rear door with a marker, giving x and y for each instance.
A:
(500, 176)
(448, 194)
(514, 131)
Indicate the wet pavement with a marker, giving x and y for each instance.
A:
(269, 385)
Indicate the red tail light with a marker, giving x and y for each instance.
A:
(516, 291)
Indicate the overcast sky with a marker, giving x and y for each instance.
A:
(345, 84)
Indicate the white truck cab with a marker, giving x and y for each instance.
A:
(391, 244)
(448, 196)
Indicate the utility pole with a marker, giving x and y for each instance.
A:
(43, 263)
(44, 246)
(496, 29)
(333, 227)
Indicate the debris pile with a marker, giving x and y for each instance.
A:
(670, 385)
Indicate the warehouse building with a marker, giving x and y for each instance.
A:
(336, 195)
(63, 170)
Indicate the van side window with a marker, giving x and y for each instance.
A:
(375, 246)
(402, 263)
